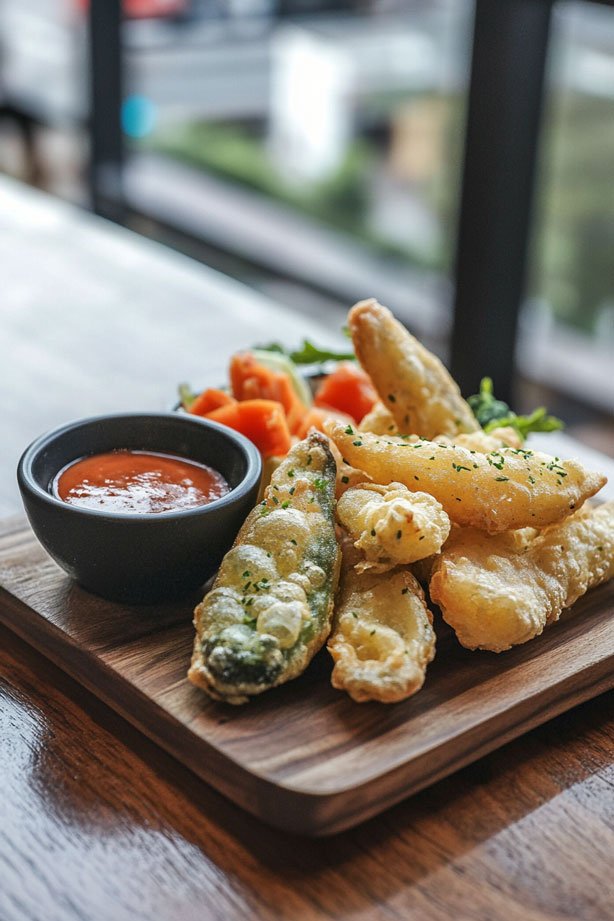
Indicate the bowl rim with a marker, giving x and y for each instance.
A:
(29, 484)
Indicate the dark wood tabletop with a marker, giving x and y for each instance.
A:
(96, 822)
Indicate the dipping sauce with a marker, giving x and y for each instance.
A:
(138, 482)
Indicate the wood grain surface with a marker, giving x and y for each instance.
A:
(99, 824)
(304, 757)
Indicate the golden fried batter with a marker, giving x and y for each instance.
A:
(382, 639)
(391, 525)
(347, 476)
(412, 382)
(379, 421)
(506, 489)
(502, 590)
(485, 443)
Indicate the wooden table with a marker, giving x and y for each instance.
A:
(96, 822)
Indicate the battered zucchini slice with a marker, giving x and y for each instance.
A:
(271, 605)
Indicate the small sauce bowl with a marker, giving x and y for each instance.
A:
(139, 558)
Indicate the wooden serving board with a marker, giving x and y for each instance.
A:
(303, 757)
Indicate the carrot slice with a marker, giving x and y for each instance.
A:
(251, 380)
(348, 389)
(210, 399)
(262, 421)
(316, 417)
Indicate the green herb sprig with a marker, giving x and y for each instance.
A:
(308, 353)
(492, 413)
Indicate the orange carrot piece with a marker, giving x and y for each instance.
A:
(210, 399)
(251, 380)
(316, 417)
(348, 389)
(262, 421)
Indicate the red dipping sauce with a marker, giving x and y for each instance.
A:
(138, 482)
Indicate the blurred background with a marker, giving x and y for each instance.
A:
(322, 152)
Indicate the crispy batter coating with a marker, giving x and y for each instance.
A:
(379, 421)
(347, 476)
(485, 443)
(382, 638)
(391, 525)
(502, 590)
(271, 605)
(506, 489)
(412, 382)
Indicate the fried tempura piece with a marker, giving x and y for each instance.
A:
(412, 382)
(347, 477)
(498, 591)
(506, 489)
(379, 421)
(382, 638)
(271, 605)
(391, 525)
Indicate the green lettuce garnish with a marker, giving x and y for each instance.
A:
(308, 354)
(186, 395)
(492, 413)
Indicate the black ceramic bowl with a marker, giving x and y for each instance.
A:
(139, 557)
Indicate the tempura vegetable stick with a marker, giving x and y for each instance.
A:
(271, 605)
(391, 525)
(412, 383)
(382, 638)
(506, 489)
(498, 591)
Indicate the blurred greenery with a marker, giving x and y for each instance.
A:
(238, 153)
(571, 264)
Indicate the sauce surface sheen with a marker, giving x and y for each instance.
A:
(138, 482)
